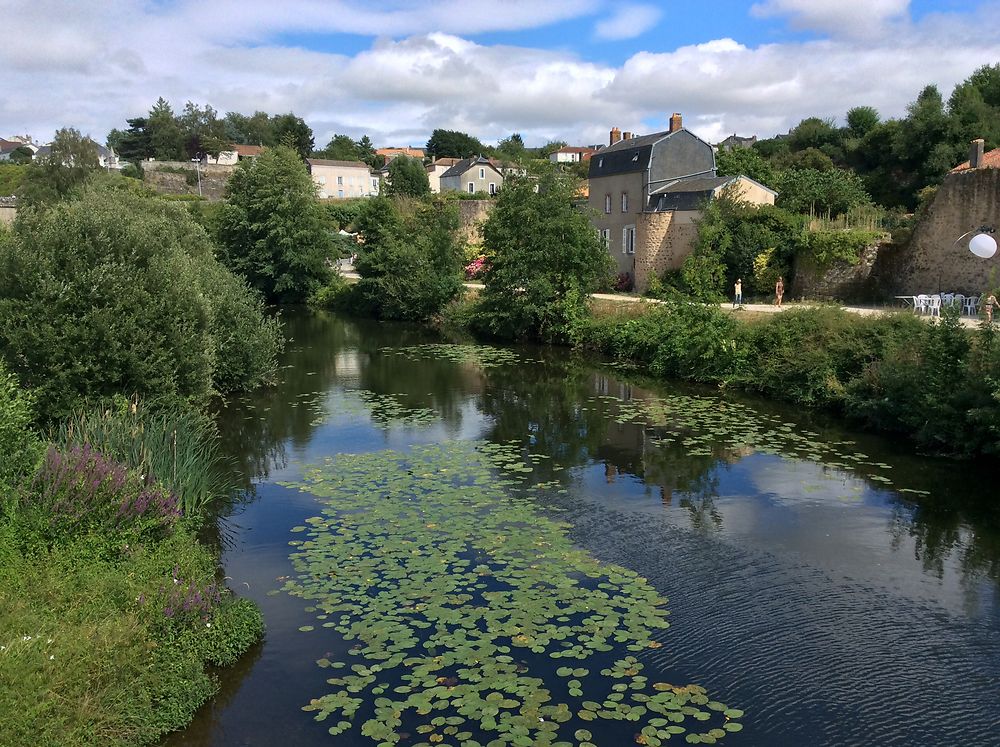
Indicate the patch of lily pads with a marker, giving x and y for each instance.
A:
(383, 410)
(474, 621)
(481, 356)
(705, 425)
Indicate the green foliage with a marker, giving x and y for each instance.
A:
(861, 120)
(342, 214)
(292, 132)
(410, 262)
(71, 162)
(95, 660)
(453, 144)
(746, 162)
(11, 176)
(177, 447)
(831, 247)
(407, 178)
(20, 445)
(343, 148)
(272, 229)
(833, 191)
(115, 292)
(334, 295)
(544, 259)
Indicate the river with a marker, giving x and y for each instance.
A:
(833, 586)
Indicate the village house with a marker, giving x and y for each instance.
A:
(475, 174)
(572, 154)
(389, 153)
(233, 155)
(436, 169)
(735, 141)
(647, 193)
(342, 179)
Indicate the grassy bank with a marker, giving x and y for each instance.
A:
(112, 613)
(937, 385)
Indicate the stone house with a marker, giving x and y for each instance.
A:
(475, 174)
(647, 193)
(340, 180)
(389, 153)
(436, 169)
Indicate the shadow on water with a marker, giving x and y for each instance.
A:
(832, 597)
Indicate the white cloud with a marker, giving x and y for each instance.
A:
(92, 65)
(849, 17)
(628, 22)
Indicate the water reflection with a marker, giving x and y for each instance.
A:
(937, 545)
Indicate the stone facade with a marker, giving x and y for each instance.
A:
(214, 178)
(8, 210)
(933, 262)
(663, 242)
(472, 214)
(840, 282)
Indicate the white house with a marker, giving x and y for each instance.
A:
(339, 180)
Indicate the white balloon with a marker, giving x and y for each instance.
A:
(983, 245)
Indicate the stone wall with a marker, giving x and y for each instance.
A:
(8, 209)
(838, 282)
(933, 262)
(472, 214)
(214, 178)
(662, 242)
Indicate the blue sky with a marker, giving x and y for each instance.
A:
(550, 69)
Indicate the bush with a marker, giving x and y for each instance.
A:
(118, 292)
(333, 295)
(20, 445)
(410, 262)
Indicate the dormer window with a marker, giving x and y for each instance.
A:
(600, 163)
(635, 158)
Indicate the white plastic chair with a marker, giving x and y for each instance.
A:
(934, 305)
(947, 299)
(972, 306)
(959, 302)
(920, 303)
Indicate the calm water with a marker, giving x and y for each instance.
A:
(839, 590)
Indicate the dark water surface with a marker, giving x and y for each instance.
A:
(838, 589)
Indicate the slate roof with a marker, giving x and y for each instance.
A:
(625, 156)
(691, 193)
(467, 163)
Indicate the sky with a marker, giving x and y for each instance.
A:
(549, 69)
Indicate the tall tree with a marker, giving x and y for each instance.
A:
(366, 152)
(165, 136)
(71, 160)
(272, 230)
(340, 148)
(253, 130)
(293, 132)
(453, 144)
(545, 258)
(203, 131)
(408, 178)
(132, 145)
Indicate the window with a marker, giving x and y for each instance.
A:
(340, 193)
(493, 188)
(624, 202)
(472, 188)
(374, 185)
(606, 237)
(607, 203)
(321, 180)
(628, 240)
(340, 180)
(600, 163)
(482, 173)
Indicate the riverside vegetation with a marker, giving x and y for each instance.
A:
(117, 326)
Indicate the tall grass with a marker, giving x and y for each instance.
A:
(177, 447)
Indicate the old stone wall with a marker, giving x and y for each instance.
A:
(472, 214)
(933, 262)
(8, 209)
(662, 242)
(838, 282)
(214, 178)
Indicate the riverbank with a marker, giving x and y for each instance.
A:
(112, 612)
(933, 384)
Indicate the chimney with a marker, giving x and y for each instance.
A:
(626, 135)
(675, 122)
(976, 153)
(616, 135)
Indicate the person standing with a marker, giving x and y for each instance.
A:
(988, 305)
(779, 291)
(738, 293)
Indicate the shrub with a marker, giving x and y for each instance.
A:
(20, 445)
(333, 295)
(119, 292)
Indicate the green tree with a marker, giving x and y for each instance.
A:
(340, 148)
(273, 230)
(861, 120)
(203, 131)
(745, 161)
(544, 259)
(255, 129)
(835, 191)
(166, 140)
(134, 144)
(407, 178)
(453, 144)
(366, 152)
(71, 161)
(118, 292)
(513, 148)
(411, 261)
(293, 132)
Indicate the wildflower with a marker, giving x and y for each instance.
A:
(52, 657)
(208, 625)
